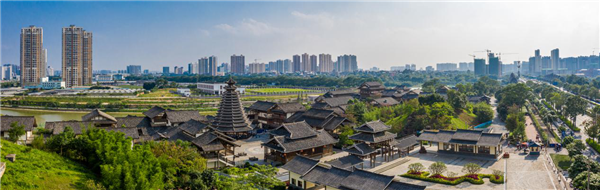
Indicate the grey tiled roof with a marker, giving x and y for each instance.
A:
(286, 145)
(387, 101)
(360, 179)
(405, 142)
(489, 139)
(316, 174)
(461, 136)
(95, 113)
(290, 107)
(373, 127)
(297, 130)
(346, 162)
(180, 116)
(337, 101)
(133, 121)
(468, 135)
(58, 127)
(396, 185)
(193, 126)
(262, 105)
(300, 165)
(373, 137)
(154, 111)
(317, 113)
(360, 149)
(27, 121)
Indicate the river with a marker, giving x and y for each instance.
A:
(41, 116)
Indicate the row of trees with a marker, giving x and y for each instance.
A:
(409, 78)
(152, 165)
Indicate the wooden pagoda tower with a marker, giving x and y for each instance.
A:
(231, 118)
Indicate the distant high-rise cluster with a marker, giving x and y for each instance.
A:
(346, 63)
(256, 68)
(134, 69)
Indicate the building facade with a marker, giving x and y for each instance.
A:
(32, 41)
(76, 56)
(325, 63)
(238, 64)
(134, 69)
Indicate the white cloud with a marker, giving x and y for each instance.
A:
(226, 28)
(249, 26)
(323, 19)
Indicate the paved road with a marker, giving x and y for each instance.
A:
(579, 123)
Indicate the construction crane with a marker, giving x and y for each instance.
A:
(472, 56)
(485, 50)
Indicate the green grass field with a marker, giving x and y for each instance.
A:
(272, 90)
(561, 161)
(37, 169)
(161, 93)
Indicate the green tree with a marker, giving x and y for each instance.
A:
(38, 142)
(416, 167)
(431, 99)
(457, 100)
(567, 140)
(437, 168)
(483, 111)
(471, 168)
(581, 181)
(344, 139)
(149, 85)
(178, 161)
(58, 142)
(575, 106)
(16, 131)
(580, 164)
(575, 148)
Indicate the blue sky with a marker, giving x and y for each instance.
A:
(156, 34)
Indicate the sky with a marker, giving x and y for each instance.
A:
(382, 34)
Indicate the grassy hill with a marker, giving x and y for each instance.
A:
(37, 169)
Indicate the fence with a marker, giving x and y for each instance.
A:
(557, 173)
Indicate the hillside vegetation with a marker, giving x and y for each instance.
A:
(37, 169)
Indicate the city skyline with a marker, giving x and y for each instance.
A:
(174, 37)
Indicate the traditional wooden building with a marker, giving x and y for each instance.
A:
(384, 102)
(216, 147)
(165, 117)
(401, 94)
(99, 118)
(375, 135)
(477, 99)
(298, 138)
(231, 118)
(322, 119)
(272, 114)
(28, 122)
(442, 90)
(336, 104)
(340, 93)
(405, 144)
(371, 89)
(306, 173)
(472, 142)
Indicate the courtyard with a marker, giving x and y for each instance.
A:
(521, 171)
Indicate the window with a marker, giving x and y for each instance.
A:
(293, 181)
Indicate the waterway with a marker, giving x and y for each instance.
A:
(41, 116)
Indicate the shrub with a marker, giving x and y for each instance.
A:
(437, 168)
(415, 167)
(593, 144)
(452, 174)
(15, 131)
(471, 168)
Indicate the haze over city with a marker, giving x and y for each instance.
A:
(156, 34)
